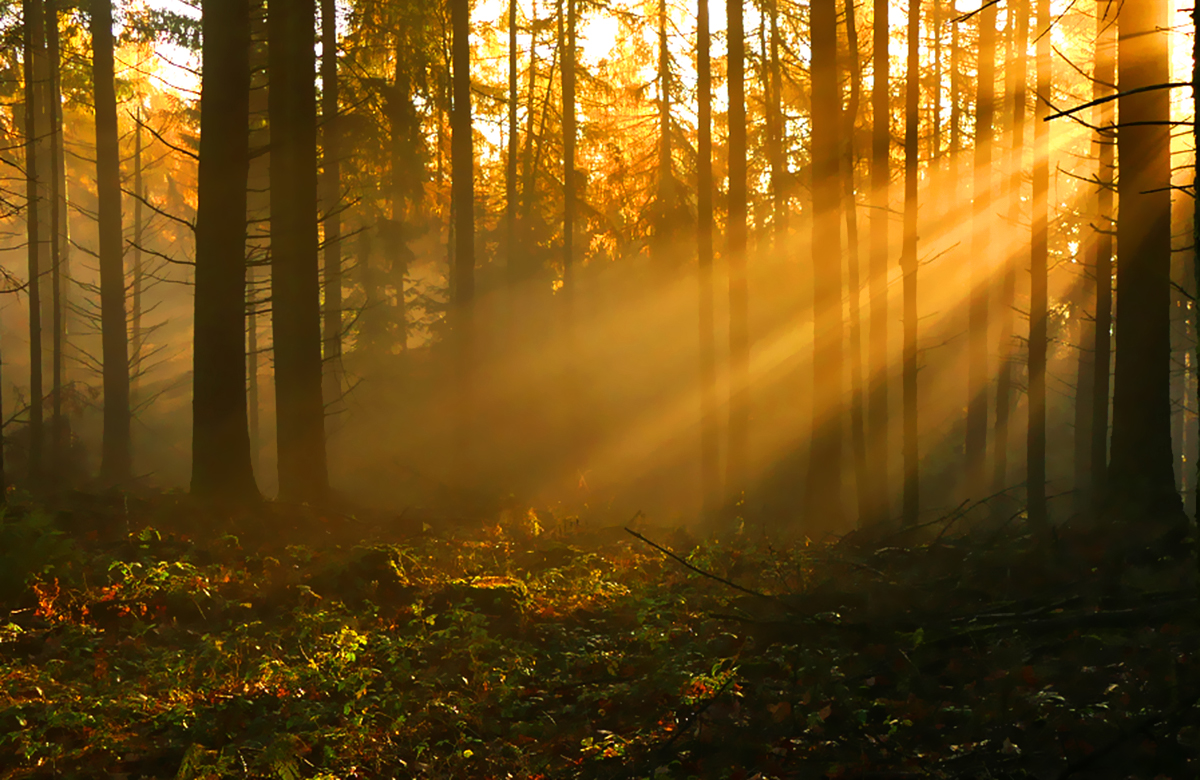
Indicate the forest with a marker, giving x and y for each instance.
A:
(599, 389)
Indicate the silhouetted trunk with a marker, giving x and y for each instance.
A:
(116, 457)
(528, 193)
(514, 145)
(864, 489)
(881, 180)
(295, 266)
(462, 271)
(404, 141)
(909, 265)
(1039, 260)
(1195, 315)
(662, 232)
(981, 236)
(1103, 116)
(824, 508)
(1018, 89)
(1141, 475)
(332, 196)
(778, 160)
(735, 249)
(58, 240)
(710, 478)
(569, 194)
(135, 366)
(34, 47)
(221, 462)
(1085, 384)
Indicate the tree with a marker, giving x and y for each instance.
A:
(222, 466)
(116, 462)
(462, 272)
(825, 461)
(1035, 459)
(909, 265)
(881, 181)
(514, 145)
(735, 250)
(58, 240)
(295, 268)
(34, 42)
(331, 196)
(709, 466)
(1141, 475)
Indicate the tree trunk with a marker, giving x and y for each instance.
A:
(909, 265)
(58, 241)
(463, 269)
(1038, 270)
(710, 477)
(666, 195)
(34, 44)
(221, 462)
(295, 267)
(778, 161)
(1103, 116)
(1018, 89)
(881, 180)
(865, 490)
(735, 243)
(403, 142)
(1141, 474)
(332, 196)
(117, 459)
(135, 366)
(981, 236)
(514, 145)
(824, 509)
(1195, 317)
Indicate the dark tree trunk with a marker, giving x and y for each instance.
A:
(865, 489)
(1018, 89)
(116, 458)
(1039, 261)
(58, 241)
(222, 467)
(332, 197)
(1195, 317)
(735, 243)
(1104, 116)
(777, 159)
(824, 510)
(404, 141)
(881, 181)
(909, 264)
(710, 478)
(514, 145)
(666, 180)
(462, 270)
(135, 366)
(1141, 475)
(34, 44)
(295, 266)
(569, 136)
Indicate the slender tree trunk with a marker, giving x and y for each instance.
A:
(528, 193)
(1039, 269)
(58, 241)
(221, 461)
(117, 458)
(881, 181)
(662, 232)
(735, 249)
(463, 269)
(569, 136)
(33, 44)
(1085, 386)
(514, 145)
(778, 161)
(825, 463)
(1018, 89)
(253, 386)
(710, 478)
(1103, 116)
(909, 265)
(981, 236)
(1141, 476)
(332, 196)
(865, 489)
(295, 265)
(136, 321)
(1195, 318)
(403, 143)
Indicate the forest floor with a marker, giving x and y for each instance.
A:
(144, 641)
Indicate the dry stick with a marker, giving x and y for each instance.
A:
(1118, 96)
(704, 573)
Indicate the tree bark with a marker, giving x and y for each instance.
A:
(331, 157)
(824, 509)
(295, 267)
(222, 466)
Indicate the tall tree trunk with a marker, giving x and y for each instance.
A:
(403, 143)
(1085, 385)
(253, 384)
(825, 462)
(463, 269)
(34, 47)
(778, 161)
(865, 490)
(710, 477)
(735, 249)
(528, 192)
(1018, 89)
(332, 196)
(135, 366)
(1195, 318)
(116, 462)
(514, 145)
(569, 135)
(666, 195)
(1103, 116)
(222, 466)
(909, 265)
(58, 241)
(881, 181)
(295, 266)
(1141, 476)
(1039, 262)
(981, 236)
